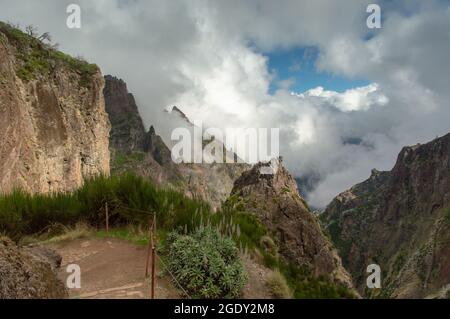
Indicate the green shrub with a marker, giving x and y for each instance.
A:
(270, 261)
(131, 200)
(25, 74)
(206, 264)
(306, 286)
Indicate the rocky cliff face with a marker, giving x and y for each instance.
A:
(53, 122)
(275, 200)
(132, 147)
(29, 273)
(128, 132)
(401, 221)
(145, 153)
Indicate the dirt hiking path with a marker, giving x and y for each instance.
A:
(115, 269)
(111, 269)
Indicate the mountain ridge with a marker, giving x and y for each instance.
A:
(399, 219)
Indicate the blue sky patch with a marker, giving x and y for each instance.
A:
(299, 67)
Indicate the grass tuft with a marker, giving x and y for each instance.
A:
(134, 234)
(59, 234)
(279, 286)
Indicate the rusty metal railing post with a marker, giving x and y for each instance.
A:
(106, 217)
(153, 256)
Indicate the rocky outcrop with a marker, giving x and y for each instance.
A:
(29, 273)
(53, 122)
(211, 182)
(399, 220)
(275, 200)
(127, 129)
(181, 114)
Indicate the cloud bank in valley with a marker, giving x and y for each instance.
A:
(208, 58)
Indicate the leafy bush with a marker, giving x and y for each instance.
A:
(206, 264)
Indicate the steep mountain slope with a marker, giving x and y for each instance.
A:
(53, 122)
(145, 153)
(275, 201)
(128, 132)
(401, 221)
(132, 147)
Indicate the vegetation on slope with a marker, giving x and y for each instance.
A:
(122, 159)
(279, 286)
(132, 201)
(39, 57)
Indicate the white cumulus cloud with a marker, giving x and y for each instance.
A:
(356, 99)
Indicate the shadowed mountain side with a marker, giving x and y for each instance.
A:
(401, 221)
